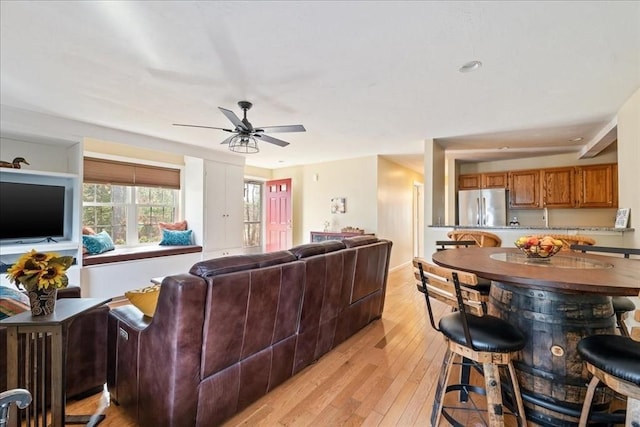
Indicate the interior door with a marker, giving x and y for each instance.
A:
(279, 232)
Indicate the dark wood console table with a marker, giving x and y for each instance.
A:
(321, 236)
(36, 329)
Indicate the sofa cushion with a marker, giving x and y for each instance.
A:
(229, 264)
(352, 242)
(145, 299)
(12, 302)
(273, 258)
(311, 249)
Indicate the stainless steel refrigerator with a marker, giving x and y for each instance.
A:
(482, 208)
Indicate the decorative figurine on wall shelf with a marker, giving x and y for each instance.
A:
(15, 164)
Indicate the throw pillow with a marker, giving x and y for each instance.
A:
(145, 299)
(12, 302)
(98, 243)
(176, 238)
(88, 230)
(180, 225)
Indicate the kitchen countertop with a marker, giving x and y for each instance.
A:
(524, 227)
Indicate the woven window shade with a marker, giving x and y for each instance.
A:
(100, 171)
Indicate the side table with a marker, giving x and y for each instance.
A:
(35, 329)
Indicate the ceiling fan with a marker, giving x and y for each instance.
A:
(245, 135)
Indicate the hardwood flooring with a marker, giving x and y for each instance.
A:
(385, 375)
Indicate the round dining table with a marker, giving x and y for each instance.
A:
(556, 302)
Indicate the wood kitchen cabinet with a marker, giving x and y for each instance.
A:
(524, 189)
(597, 186)
(482, 180)
(469, 181)
(559, 187)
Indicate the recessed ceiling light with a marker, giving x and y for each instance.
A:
(470, 66)
(506, 147)
(578, 139)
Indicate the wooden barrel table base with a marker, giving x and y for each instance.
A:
(552, 376)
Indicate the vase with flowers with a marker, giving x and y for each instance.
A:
(41, 275)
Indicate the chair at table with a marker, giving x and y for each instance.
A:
(18, 396)
(482, 238)
(486, 340)
(615, 361)
(571, 239)
(621, 305)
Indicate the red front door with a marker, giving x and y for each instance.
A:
(279, 231)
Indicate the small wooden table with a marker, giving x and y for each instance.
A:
(555, 302)
(36, 329)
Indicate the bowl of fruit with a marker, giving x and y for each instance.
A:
(539, 247)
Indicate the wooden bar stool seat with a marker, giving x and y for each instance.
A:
(614, 360)
(488, 341)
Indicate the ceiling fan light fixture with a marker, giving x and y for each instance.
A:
(244, 144)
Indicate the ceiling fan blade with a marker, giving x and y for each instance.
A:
(206, 127)
(267, 138)
(233, 118)
(276, 129)
(228, 140)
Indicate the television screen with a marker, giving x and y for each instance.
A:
(31, 211)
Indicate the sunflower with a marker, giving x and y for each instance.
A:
(53, 277)
(38, 270)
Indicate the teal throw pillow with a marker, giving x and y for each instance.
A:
(97, 243)
(176, 238)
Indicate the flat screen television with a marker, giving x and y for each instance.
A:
(31, 211)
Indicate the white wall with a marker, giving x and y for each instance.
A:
(629, 163)
(395, 208)
(355, 180)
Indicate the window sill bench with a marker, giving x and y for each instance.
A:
(137, 253)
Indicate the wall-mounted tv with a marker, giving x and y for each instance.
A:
(31, 211)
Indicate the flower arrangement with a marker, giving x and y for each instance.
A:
(36, 271)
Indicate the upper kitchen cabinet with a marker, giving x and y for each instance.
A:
(524, 189)
(469, 181)
(484, 180)
(558, 187)
(598, 186)
(495, 180)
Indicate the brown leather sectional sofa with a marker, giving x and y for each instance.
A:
(234, 328)
(86, 351)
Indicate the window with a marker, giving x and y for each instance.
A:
(128, 200)
(252, 214)
(129, 214)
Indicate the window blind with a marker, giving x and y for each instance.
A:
(101, 171)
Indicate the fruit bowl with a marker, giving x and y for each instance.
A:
(539, 247)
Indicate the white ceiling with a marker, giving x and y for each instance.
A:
(363, 77)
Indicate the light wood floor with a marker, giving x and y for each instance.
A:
(385, 375)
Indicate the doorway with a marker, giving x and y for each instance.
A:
(279, 231)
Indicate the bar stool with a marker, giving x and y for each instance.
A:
(621, 305)
(482, 238)
(486, 340)
(614, 360)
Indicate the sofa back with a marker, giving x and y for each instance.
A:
(249, 330)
